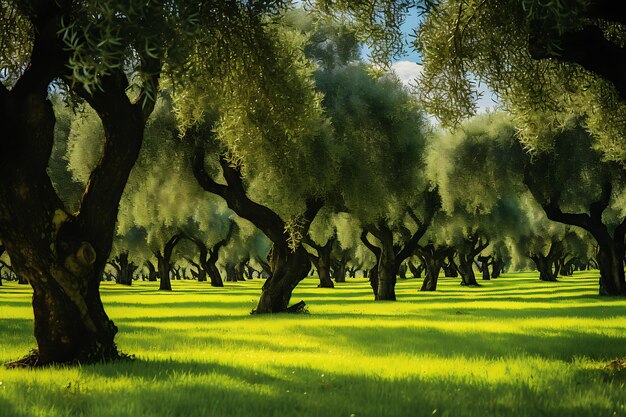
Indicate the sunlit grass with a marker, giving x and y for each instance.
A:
(514, 346)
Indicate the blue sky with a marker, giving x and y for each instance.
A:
(407, 67)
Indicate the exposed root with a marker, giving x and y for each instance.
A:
(617, 365)
(32, 360)
(297, 308)
(29, 361)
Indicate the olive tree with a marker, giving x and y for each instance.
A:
(109, 54)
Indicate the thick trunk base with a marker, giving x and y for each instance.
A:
(468, 277)
(611, 265)
(69, 329)
(288, 269)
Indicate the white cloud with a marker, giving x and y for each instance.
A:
(407, 71)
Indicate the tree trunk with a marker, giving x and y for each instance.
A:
(610, 260)
(288, 269)
(432, 258)
(164, 263)
(466, 269)
(486, 275)
(433, 268)
(373, 278)
(289, 265)
(201, 274)
(70, 322)
(387, 271)
(208, 258)
(152, 272)
(402, 271)
(450, 269)
(339, 270)
(323, 262)
(214, 275)
(231, 273)
(544, 266)
(249, 271)
(239, 270)
(485, 261)
(323, 271)
(124, 269)
(416, 271)
(387, 265)
(163, 272)
(497, 267)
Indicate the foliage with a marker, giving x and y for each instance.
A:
(518, 49)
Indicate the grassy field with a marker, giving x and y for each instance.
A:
(513, 347)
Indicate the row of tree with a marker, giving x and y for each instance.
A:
(190, 113)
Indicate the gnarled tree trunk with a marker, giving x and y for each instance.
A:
(289, 265)
(152, 271)
(432, 258)
(123, 268)
(450, 268)
(164, 263)
(323, 262)
(496, 267)
(610, 260)
(416, 271)
(339, 268)
(544, 266)
(288, 269)
(63, 255)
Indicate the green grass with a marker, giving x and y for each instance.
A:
(513, 347)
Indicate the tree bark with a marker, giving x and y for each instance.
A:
(450, 269)
(416, 271)
(389, 255)
(402, 271)
(208, 258)
(124, 269)
(497, 266)
(339, 269)
(485, 261)
(323, 261)
(164, 263)
(152, 271)
(199, 274)
(432, 258)
(2, 264)
(544, 266)
(288, 269)
(231, 274)
(240, 269)
(610, 260)
(466, 268)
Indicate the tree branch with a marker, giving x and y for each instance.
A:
(203, 178)
(48, 57)
(375, 249)
(124, 128)
(235, 195)
(590, 49)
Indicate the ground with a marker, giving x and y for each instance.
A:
(513, 347)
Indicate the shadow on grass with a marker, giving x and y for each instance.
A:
(195, 388)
